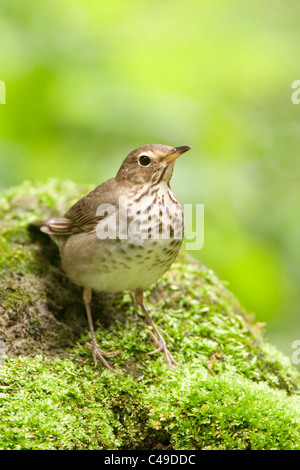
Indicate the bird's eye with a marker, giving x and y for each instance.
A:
(144, 160)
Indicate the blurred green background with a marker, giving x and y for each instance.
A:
(87, 81)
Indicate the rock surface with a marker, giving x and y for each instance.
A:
(232, 390)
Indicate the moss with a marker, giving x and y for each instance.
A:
(232, 390)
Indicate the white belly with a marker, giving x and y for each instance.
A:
(115, 267)
(137, 261)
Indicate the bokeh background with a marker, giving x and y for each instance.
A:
(89, 80)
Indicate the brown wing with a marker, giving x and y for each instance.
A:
(81, 217)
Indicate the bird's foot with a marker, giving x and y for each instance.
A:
(98, 354)
(162, 346)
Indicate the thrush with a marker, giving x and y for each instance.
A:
(124, 235)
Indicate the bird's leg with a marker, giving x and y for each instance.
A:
(157, 338)
(97, 352)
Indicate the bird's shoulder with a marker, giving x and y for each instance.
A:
(82, 216)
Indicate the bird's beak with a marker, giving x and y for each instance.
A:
(177, 152)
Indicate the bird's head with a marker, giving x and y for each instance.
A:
(150, 164)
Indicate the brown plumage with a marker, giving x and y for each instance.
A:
(119, 262)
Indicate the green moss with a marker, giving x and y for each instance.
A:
(65, 404)
(232, 390)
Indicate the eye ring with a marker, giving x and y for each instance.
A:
(144, 160)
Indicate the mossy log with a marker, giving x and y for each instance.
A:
(231, 390)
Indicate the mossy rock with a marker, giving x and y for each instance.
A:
(232, 389)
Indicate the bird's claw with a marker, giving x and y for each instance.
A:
(162, 346)
(98, 354)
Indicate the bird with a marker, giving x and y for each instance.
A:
(123, 236)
